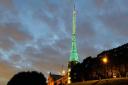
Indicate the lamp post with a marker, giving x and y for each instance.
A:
(105, 61)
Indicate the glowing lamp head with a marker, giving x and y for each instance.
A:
(105, 60)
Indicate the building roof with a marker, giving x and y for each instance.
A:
(55, 76)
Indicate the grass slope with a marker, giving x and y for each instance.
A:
(114, 81)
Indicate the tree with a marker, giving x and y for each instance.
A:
(28, 78)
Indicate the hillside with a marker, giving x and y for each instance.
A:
(116, 81)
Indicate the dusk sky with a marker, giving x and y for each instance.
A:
(36, 34)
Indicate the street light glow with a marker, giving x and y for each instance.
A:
(63, 72)
(105, 60)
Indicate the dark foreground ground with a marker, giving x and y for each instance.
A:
(113, 81)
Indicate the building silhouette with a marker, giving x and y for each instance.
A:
(108, 64)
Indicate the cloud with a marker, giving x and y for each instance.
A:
(36, 35)
(13, 31)
(6, 44)
(6, 70)
(6, 3)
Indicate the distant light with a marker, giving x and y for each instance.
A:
(114, 76)
(69, 78)
(69, 70)
(48, 72)
(105, 60)
(63, 72)
(69, 81)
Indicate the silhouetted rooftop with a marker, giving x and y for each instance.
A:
(55, 76)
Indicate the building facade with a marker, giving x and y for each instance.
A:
(54, 79)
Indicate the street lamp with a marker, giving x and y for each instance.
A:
(105, 60)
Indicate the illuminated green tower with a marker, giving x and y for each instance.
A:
(74, 54)
(74, 58)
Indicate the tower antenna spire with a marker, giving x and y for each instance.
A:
(74, 5)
